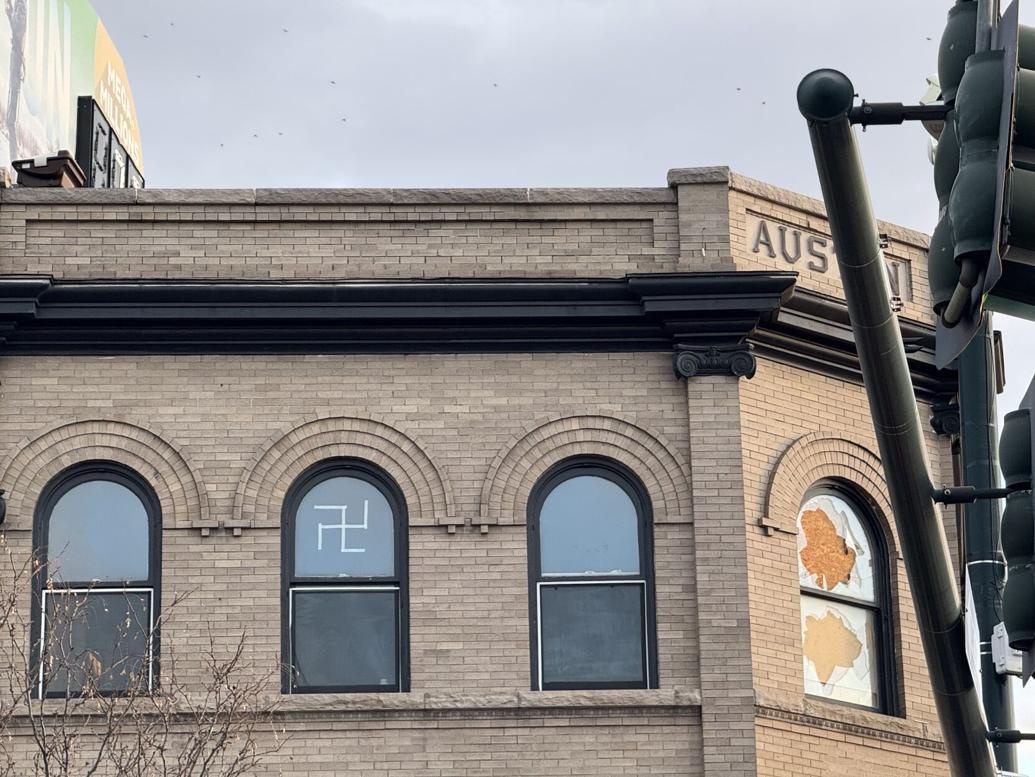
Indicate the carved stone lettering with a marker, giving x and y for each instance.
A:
(817, 248)
(787, 255)
(818, 251)
(762, 238)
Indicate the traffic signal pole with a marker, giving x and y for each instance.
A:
(979, 442)
(825, 99)
(986, 567)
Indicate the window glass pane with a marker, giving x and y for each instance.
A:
(838, 649)
(834, 551)
(592, 634)
(588, 525)
(345, 638)
(98, 530)
(344, 527)
(96, 642)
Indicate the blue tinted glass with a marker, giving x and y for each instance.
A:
(344, 527)
(588, 525)
(98, 530)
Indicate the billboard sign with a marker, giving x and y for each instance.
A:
(51, 53)
(99, 150)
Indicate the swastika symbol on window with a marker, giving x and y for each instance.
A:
(342, 526)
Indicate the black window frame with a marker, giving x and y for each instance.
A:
(381, 480)
(624, 478)
(52, 492)
(884, 632)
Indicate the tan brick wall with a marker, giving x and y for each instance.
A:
(468, 590)
(626, 743)
(192, 235)
(791, 748)
(779, 406)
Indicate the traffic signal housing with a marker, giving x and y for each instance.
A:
(1018, 529)
(983, 249)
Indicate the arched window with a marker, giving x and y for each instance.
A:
(591, 579)
(97, 538)
(843, 573)
(345, 581)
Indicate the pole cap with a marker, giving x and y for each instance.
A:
(825, 95)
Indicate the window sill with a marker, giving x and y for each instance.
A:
(416, 705)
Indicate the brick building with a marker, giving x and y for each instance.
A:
(538, 482)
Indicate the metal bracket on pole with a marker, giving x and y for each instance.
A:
(869, 114)
(965, 495)
(1008, 736)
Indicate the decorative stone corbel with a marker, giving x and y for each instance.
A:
(945, 418)
(689, 361)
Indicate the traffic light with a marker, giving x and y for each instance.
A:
(1018, 529)
(983, 249)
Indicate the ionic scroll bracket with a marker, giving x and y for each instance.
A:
(690, 361)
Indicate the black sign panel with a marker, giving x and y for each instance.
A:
(100, 153)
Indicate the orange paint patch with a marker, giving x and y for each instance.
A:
(828, 644)
(826, 556)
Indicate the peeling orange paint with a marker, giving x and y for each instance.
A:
(826, 556)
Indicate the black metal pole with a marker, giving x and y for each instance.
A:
(825, 99)
(986, 568)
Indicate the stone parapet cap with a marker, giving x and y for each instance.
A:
(690, 175)
(258, 197)
(816, 207)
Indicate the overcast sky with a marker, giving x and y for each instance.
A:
(438, 93)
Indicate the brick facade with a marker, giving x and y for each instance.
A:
(724, 461)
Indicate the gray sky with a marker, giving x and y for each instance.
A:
(443, 93)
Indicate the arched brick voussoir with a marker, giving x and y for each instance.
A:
(822, 456)
(35, 461)
(260, 494)
(516, 469)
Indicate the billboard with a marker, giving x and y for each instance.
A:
(51, 53)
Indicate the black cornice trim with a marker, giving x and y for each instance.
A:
(634, 313)
(814, 331)
(705, 315)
